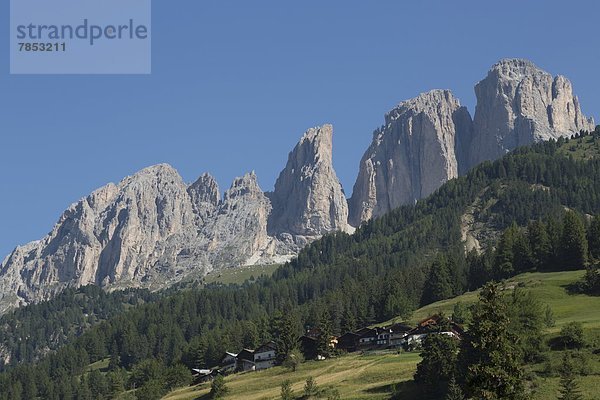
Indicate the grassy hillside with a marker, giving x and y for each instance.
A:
(371, 376)
(550, 288)
(355, 376)
(584, 148)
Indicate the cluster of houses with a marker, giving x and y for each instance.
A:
(365, 339)
(246, 360)
(398, 335)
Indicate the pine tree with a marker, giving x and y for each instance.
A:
(325, 334)
(594, 238)
(591, 280)
(454, 391)
(438, 285)
(286, 390)
(438, 363)
(218, 388)
(199, 353)
(348, 323)
(505, 256)
(310, 388)
(523, 257)
(540, 244)
(284, 330)
(490, 357)
(569, 389)
(574, 246)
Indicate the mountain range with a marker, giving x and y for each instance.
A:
(153, 230)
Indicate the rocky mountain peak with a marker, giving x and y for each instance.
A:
(152, 230)
(246, 185)
(308, 199)
(205, 196)
(411, 155)
(519, 103)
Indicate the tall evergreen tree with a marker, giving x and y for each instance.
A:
(348, 322)
(454, 391)
(324, 348)
(438, 285)
(218, 388)
(574, 245)
(505, 255)
(540, 244)
(569, 389)
(490, 358)
(284, 330)
(594, 238)
(523, 257)
(438, 363)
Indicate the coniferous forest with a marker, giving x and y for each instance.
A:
(537, 208)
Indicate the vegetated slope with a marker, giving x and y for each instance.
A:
(358, 279)
(31, 332)
(364, 377)
(371, 376)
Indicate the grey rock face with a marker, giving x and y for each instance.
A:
(517, 104)
(238, 233)
(308, 199)
(205, 197)
(152, 230)
(411, 156)
(116, 235)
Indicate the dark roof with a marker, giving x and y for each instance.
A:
(266, 347)
(305, 338)
(349, 335)
(366, 332)
(246, 354)
(400, 328)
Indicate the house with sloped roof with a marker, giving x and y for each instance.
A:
(265, 356)
(228, 362)
(435, 324)
(245, 361)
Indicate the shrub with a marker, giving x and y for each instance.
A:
(218, 389)
(571, 336)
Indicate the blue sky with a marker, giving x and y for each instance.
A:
(234, 85)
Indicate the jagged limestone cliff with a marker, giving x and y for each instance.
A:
(411, 155)
(153, 230)
(518, 104)
(308, 199)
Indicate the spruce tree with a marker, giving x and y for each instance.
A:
(594, 238)
(325, 334)
(490, 358)
(438, 363)
(284, 330)
(569, 389)
(286, 390)
(218, 388)
(523, 257)
(310, 388)
(540, 244)
(505, 256)
(574, 245)
(454, 391)
(439, 283)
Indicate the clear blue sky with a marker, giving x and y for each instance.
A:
(236, 83)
